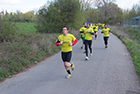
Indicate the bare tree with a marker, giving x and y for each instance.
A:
(86, 4)
(106, 9)
(1, 14)
(103, 2)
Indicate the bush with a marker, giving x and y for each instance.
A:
(7, 30)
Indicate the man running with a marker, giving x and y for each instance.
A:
(88, 40)
(81, 30)
(106, 32)
(65, 40)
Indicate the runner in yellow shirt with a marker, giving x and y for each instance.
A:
(106, 32)
(88, 40)
(81, 30)
(66, 40)
(103, 25)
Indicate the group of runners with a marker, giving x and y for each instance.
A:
(67, 40)
(87, 32)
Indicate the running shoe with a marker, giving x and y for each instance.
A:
(90, 54)
(68, 76)
(106, 46)
(86, 58)
(72, 67)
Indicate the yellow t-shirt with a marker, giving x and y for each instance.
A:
(88, 36)
(91, 25)
(103, 25)
(96, 28)
(99, 24)
(82, 29)
(66, 41)
(106, 32)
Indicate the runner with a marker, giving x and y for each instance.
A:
(106, 32)
(82, 29)
(65, 40)
(88, 40)
(103, 25)
(95, 28)
(99, 25)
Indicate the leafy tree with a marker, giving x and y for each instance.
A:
(126, 14)
(132, 13)
(29, 16)
(47, 18)
(58, 14)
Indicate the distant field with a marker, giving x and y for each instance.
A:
(26, 27)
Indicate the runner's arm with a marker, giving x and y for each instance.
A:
(109, 32)
(91, 33)
(57, 43)
(81, 31)
(74, 42)
(102, 31)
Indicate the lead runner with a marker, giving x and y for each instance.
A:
(67, 41)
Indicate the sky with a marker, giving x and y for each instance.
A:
(28, 5)
(127, 4)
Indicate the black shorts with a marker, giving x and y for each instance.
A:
(106, 38)
(66, 56)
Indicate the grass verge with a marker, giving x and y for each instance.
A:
(24, 52)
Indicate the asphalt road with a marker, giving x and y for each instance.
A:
(108, 71)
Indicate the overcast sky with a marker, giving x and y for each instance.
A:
(127, 4)
(28, 5)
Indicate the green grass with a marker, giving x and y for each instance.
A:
(26, 27)
(133, 33)
(134, 49)
(25, 51)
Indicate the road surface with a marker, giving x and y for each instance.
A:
(108, 71)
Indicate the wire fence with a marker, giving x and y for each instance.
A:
(133, 23)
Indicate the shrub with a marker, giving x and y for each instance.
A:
(7, 30)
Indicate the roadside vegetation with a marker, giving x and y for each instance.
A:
(24, 47)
